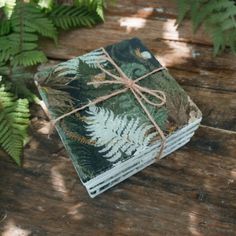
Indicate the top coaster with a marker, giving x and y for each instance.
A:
(107, 134)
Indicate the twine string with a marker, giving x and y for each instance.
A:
(137, 90)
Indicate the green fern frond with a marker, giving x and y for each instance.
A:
(5, 27)
(29, 58)
(67, 17)
(30, 17)
(14, 121)
(183, 9)
(93, 5)
(20, 52)
(116, 135)
(20, 46)
(19, 30)
(218, 17)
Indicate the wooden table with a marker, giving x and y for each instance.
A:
(191, 192)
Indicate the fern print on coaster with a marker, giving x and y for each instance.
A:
(114, 139)
(118, 137)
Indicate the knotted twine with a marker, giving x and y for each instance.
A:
(129, 85)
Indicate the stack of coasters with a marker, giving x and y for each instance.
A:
(111, 140)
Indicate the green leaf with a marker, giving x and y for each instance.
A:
(67, 17)
(14, 121)
(28, 17)
(29, 58)
(218, 17)
(5, 27)
(183, 9)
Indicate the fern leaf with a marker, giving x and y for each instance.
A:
(183, 9)
(21, 45)
(93, 5)
(29, 17)
(5, 26)
(67, 17)
(70, 68)
(29, 58)
(218, 17)
(14, 120)
(116, 135)
(20, 52)
(93, 58)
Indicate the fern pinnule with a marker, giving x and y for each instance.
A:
(5, 27)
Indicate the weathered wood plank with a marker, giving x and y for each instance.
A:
(191, 192)
(224, 80)
(218, 107)
(135, 6)
(163, 14)
(219, 72)
(172, 53)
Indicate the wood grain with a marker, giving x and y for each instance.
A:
(160, 13)
(191, 192)
(218, 107)
(195, 63)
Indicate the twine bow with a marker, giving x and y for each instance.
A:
(129, 85)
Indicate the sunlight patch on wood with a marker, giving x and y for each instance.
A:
(136, 21)
(45, 127)
(170, 30)
(33, 143)
(58, 182)
(233, 174)
(177, 53)
(11, 229)
(74, 211)
(193, 223)
(132, 23)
